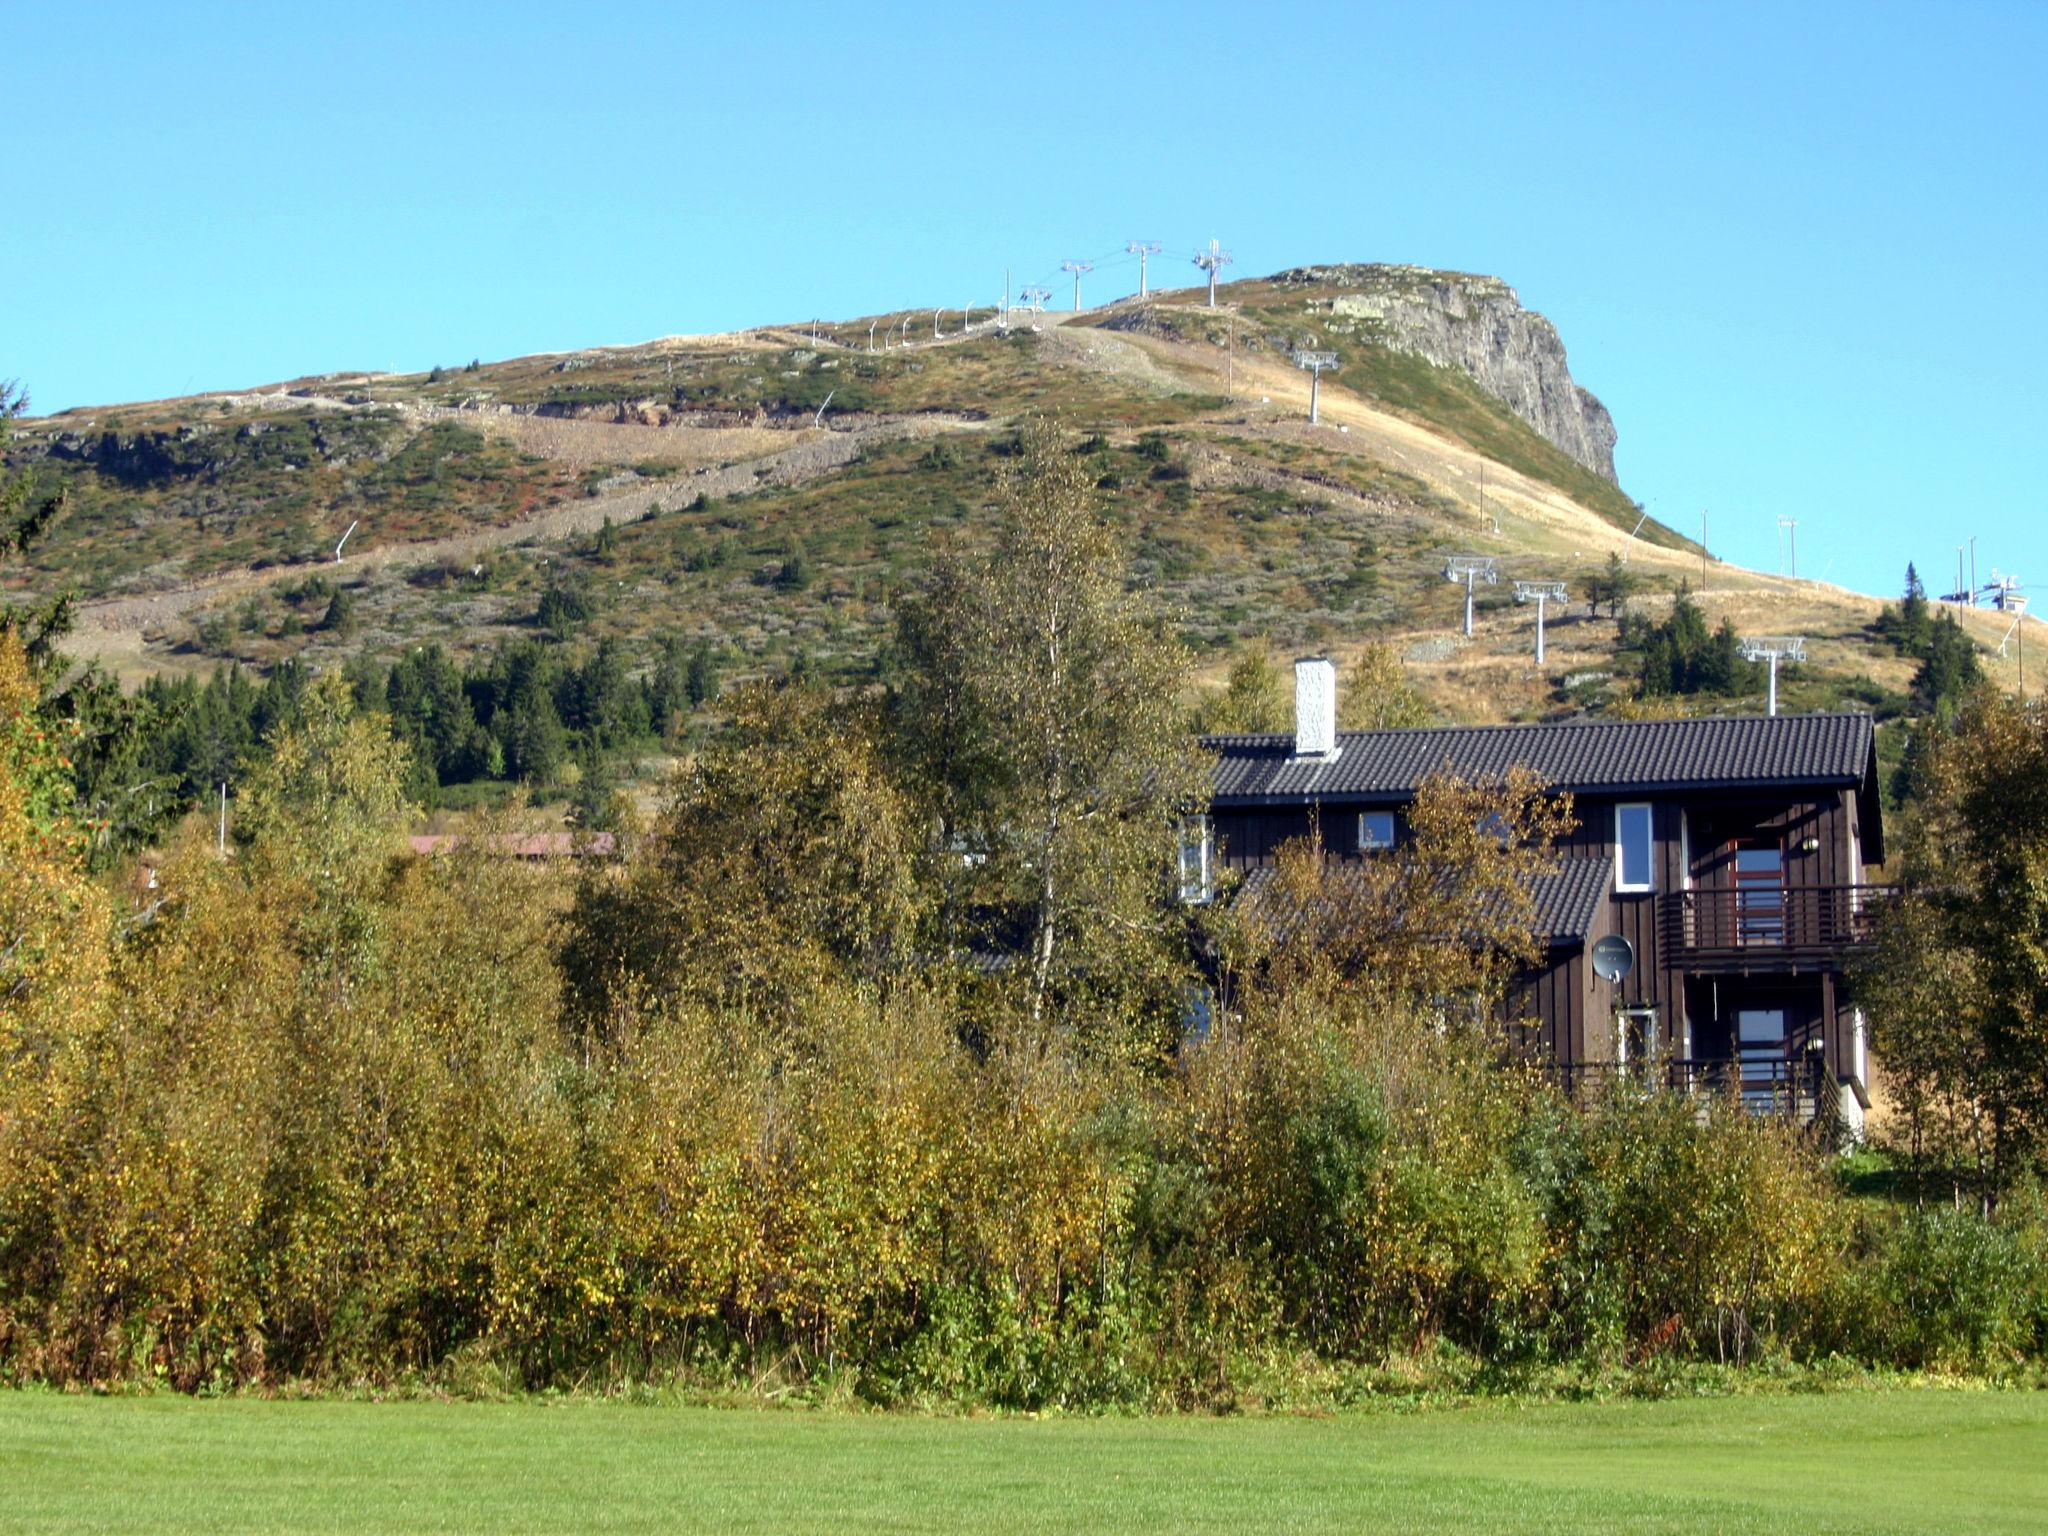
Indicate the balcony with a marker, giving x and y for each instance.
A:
(1769, 928)
(1793, 1086)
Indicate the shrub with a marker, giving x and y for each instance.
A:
(1947, 1287)
(565, 607)
(794, 574)
(1696, 1224)
(340, 618)
(216, 632)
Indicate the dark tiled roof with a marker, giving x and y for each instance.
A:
(1569, 900)
(1568, 897)
(1598, 756)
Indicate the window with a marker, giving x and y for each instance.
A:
(1197, 861)
(1634, 848)
(1375, 830)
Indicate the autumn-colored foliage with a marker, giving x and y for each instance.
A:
(886, 1062)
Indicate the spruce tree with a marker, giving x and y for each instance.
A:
(1949, 671)
(536, 744)
(1916, 618)
(594, 806)
(340, 619)
(702, 679)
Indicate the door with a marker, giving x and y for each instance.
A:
(1639, 1048)
(1635, 1034)
(1762, 1058)
(1759, 869)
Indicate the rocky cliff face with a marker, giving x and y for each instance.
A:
(1476, 325)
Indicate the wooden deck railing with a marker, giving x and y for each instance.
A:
(1794, 1086)
(1754, 927)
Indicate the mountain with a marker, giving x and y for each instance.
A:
(768, 493)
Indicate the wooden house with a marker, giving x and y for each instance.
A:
(1703, 912)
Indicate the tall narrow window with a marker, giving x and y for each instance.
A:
(1634, 848)
(1197, 860)
(1760, 893)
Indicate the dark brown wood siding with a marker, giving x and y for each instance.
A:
(1551, 1005)
(1249, 839)
(1693, 834)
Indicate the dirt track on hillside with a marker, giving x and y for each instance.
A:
(113, 627)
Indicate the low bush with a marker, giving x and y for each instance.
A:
(1941, 1288)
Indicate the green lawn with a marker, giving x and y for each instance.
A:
(1897, 1461)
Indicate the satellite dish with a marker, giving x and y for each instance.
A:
(1613, 957)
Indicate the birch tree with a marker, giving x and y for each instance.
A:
(1040, 708)
(1957, 986)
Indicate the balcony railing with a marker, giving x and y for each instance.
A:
(1794, 1086)
(1772, 927)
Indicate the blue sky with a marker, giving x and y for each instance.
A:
(1794, 248)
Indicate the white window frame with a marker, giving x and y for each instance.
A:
(1622, 885)
(1197, 837)
(1648, 1017)
(1393, 831)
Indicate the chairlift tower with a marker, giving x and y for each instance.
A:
(1142, 249)
(1033, 299)
(1470, 569)
(2017, 607)
(1212, 261)
(1077, 268)
(1540, 593)
(1967, 591)
(2007, 598)
(2004, 591)
(1315, 363)
(1774, 649)
(1788, 544)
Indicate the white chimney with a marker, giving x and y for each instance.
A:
(1315, 707)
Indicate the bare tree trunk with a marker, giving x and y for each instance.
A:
(1041, 956)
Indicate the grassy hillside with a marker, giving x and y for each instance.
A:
(770, 493)
(1267, 317)
(178, 493)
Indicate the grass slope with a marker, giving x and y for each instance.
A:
(196, 523)
(1899, 1461)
